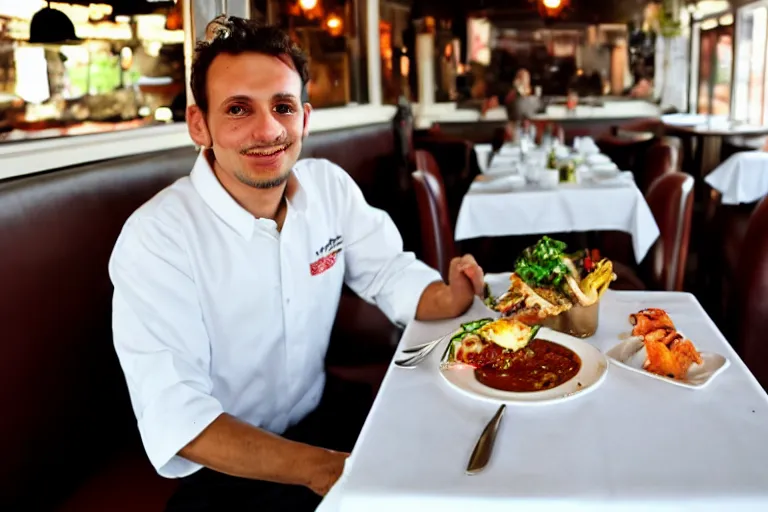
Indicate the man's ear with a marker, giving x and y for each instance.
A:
(307, 111)
(198, 129)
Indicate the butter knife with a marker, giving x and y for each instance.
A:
(484, 447)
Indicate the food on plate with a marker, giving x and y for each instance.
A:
(668, 352)
(548, 282)
(507, 355)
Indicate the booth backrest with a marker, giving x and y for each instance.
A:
(65, 405)
(66, 409)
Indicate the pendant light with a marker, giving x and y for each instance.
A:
(51, 26)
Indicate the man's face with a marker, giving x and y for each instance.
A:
(255, 117)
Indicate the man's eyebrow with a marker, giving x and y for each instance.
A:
(237, 97)
(284, 96)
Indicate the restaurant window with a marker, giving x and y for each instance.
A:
(121, 67)
(332, 33)
(751, 82)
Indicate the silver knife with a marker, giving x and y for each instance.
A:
(484, 447)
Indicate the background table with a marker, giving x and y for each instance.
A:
(743, 178)
(497, 211)
(635, 443)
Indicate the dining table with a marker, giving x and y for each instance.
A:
(503, 202)
(631, 443)
(742, 178)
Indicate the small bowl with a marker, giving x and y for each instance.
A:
(579, 321)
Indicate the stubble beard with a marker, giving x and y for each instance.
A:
(263, 184)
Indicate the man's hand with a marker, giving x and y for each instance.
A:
(465, 280)
(441, 300)
(326, 471)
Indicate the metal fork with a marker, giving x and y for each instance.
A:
(420, 354)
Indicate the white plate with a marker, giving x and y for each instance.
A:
(592, 373)
(630, 354)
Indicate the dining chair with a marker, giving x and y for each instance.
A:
(438, 246)
(670, 198)
(660, 159)
(752, 296)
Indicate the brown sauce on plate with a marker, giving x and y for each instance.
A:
(539, 366)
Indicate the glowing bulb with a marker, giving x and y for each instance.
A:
(333, 22)
(551, 4)
(308, 4)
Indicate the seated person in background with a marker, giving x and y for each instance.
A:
(227, 285)
(517, 99)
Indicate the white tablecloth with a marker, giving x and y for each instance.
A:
(635, 443)
(488, 211)
(743, 178)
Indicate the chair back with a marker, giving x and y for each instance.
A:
(752, 295)
(436, 234)
(660, 159)
(670, 198)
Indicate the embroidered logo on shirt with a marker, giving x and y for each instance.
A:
(327, 256)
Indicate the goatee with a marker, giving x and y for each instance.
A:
(263, 184)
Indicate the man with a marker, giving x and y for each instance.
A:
(227, 285)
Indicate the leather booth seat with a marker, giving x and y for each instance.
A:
(71, 441)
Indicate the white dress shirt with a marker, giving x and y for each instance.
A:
(216, 311)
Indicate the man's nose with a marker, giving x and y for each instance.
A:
(266, 128)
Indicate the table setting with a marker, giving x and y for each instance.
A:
(536, 191)
(557, 393)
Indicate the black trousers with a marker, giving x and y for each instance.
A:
(335, 424)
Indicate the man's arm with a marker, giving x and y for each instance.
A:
(440, 300)
(236, 448)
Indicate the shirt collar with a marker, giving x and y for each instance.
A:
(223, 204)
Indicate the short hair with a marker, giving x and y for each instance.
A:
(234, 36)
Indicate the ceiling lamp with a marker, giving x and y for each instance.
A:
(552, 8)
(334, 25)
(51, 26)
(308, 5)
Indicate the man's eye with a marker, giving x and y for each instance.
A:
(236, 110)
(284, 108)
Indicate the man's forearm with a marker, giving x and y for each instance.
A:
(437, 302)
(236, 448)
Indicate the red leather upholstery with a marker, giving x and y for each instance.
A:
(660, 159)
(70, 435)
(436, 234)
(752, 282)
(67, 410)
(670, 198)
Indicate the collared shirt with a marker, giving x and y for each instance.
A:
(217, 311)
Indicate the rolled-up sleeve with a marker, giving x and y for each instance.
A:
(377, 268)
(161, 342)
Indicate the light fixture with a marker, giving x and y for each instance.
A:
(51, 26)
(726, 19)
(551, 8)
(334, 24)
(308, 5)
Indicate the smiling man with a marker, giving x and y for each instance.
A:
(227, 284)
